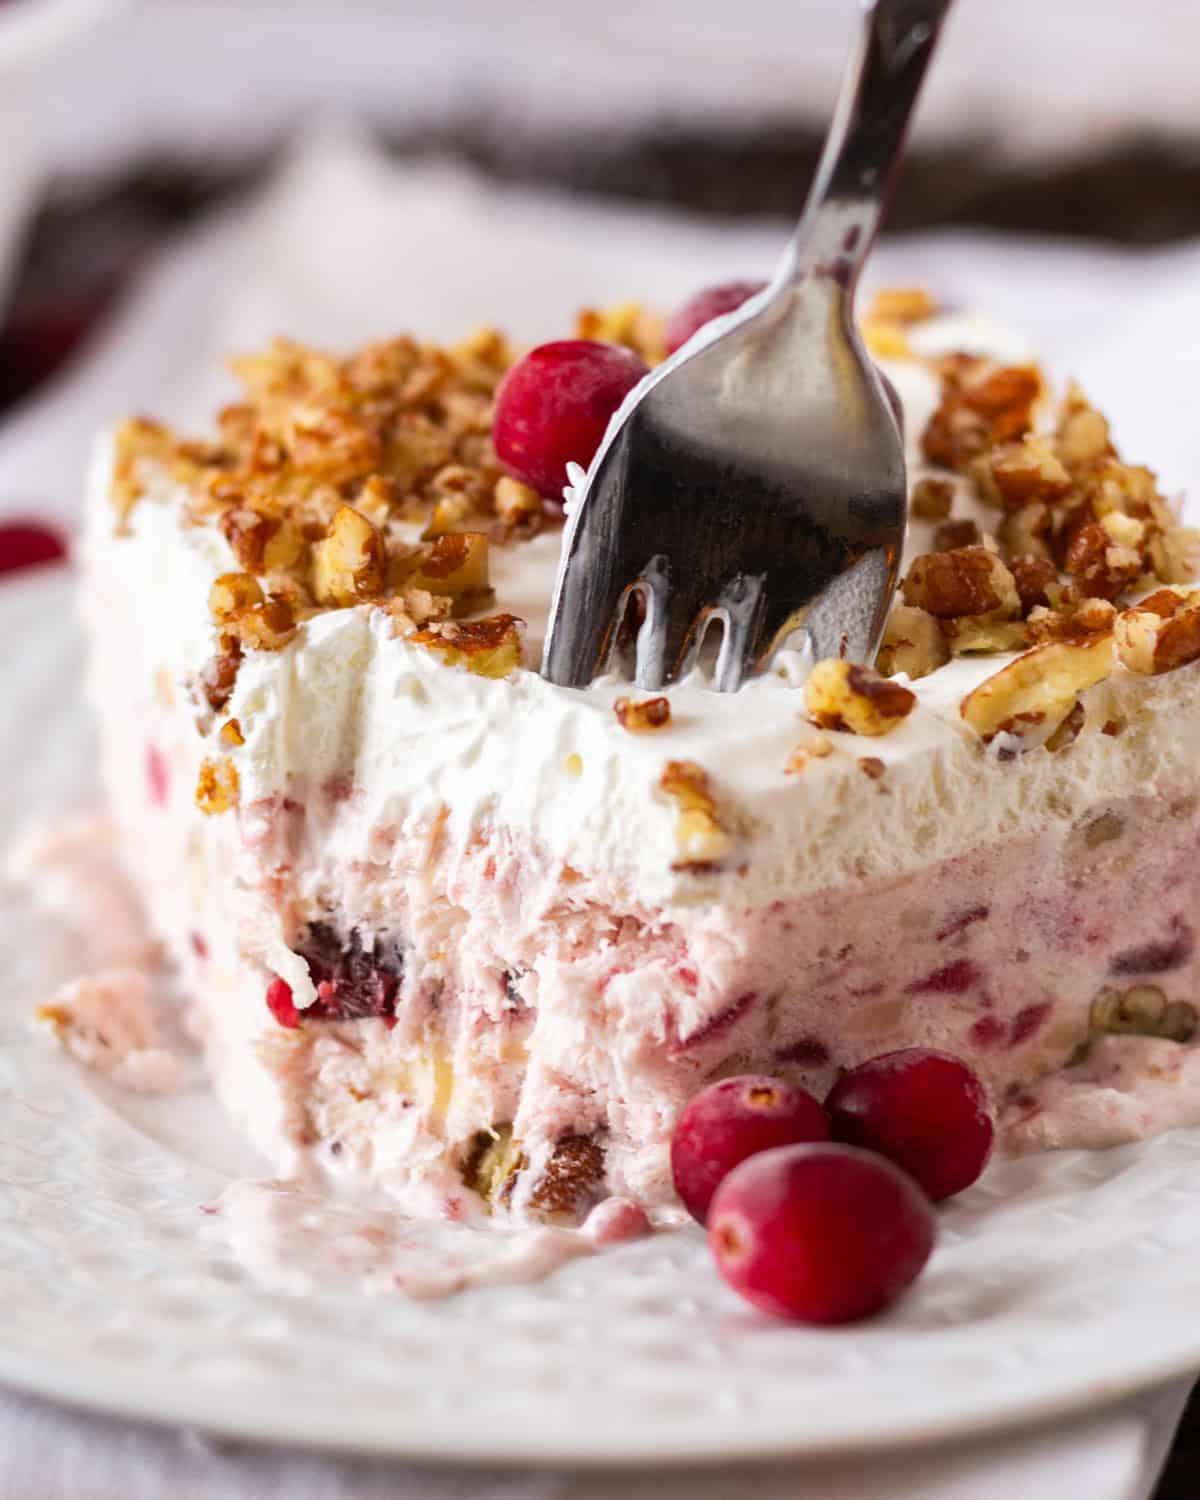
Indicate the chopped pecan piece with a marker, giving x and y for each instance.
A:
(843, 695)
(951, 535)
(1160, 633)
(217, 786)
(489, 648)
(913, 643)
(231, 593)
(347, 567)
(932, 499)
(1099, 566)
(702, 838)
(1032, 575)
(650, 713)
(1039, 687)
(1024, 473)
(982, 405)
(967, 581)
(456, 566)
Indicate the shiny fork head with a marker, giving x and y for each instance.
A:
(757, 477)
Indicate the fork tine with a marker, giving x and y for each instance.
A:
(666, 638)
(741, 607)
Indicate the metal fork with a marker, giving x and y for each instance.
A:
(757, 477)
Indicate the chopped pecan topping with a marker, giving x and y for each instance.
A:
(913, 643)
(489, 648)
(982, 404)
(1040, 687)
(627, 323)
(455, 566)
(872, 766)
(843, 695)
(817, 747)
(347, 567)
(932, 499)
(650, 713)
(967, 581)
(231, 734)
(219, 675)
(217, 786)
(702, 838)
(1160, 633)
(1033, 576)
(952, 535)
(1024, 473)
(1098, 566)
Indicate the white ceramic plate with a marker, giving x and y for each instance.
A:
(1061, 1282)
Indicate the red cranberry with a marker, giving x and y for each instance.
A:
(820, 1233)
(712, 302)
(924, 1110)
(158, 776)
(554, 406)
(281, 1005)
(25, 544)
(732, 1120)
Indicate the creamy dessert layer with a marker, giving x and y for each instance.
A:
(478, 939)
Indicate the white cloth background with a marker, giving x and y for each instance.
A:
(345, 247)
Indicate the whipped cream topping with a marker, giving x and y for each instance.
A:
(417, 741)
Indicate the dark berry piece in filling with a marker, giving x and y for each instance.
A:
(353, 982)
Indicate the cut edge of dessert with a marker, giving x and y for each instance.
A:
(478, 941)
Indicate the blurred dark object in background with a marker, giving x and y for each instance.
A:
(86, 245)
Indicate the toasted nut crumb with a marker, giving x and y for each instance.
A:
(232, 592)
(219, 675)
(489, 648)
(982, 405)
(902, 304)
(268, 626)
(1098, 567)
(516, 503)
(231, 734)
(217, 786)
(984, 635)
(699, 833)
(932, 499)
(1083, 434)
(1025, 473)
(872, 766)
(817, 747)
(951, 535)
(1032, 575)
(913, 643)
(1160, 633)
(843, 695)
(628, 323)
(455, 566)
(1043, 683)
(650, 713)
(967, 581)
(347, 567)
(1072, 620)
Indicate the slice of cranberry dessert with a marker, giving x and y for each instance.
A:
(477, 940)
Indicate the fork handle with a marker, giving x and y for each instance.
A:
(854, 178)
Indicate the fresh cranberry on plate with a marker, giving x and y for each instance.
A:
(821, 1233)
(712, 302)
(734, 1119)
(26, 544)
(554, 406)
(924, 1110)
